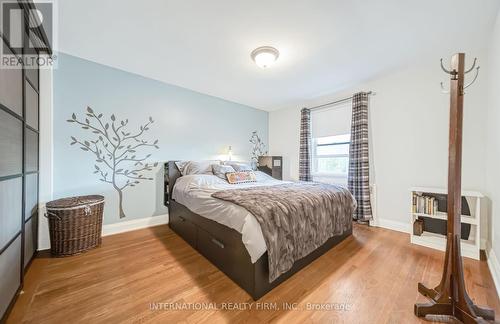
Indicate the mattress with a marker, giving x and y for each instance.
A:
(194, 192)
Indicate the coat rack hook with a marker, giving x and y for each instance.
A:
(475, 77)
(447, 71)
(473, 65)
(443, 90)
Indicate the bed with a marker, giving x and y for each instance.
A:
(228, 235)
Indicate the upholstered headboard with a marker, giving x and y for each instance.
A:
(173, 174)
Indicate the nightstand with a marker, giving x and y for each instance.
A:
(271, 165)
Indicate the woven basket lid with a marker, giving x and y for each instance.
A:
(74, 202)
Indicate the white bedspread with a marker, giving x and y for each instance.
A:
(194, 192)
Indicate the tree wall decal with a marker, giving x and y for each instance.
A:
(258, 148)
(115, 149)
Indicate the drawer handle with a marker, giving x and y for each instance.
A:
(182, 219)
(217, 242)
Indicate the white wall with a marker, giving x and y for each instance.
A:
(408, 133)
(493, 137)
(187, 125)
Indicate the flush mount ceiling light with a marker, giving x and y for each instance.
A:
(265, 56)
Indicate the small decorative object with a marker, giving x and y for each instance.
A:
(418, 227)
(229, 153)
(115, 149)
(258, 149)
(75, 224)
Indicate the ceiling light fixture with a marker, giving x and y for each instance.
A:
(265, 56)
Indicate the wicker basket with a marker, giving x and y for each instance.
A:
(75, 224)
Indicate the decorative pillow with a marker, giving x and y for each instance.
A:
(195, 167)
(221, 170)
(239, 166)
(181, 165)
(241, 177)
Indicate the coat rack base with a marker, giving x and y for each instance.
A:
(452, 311)
(460, 308)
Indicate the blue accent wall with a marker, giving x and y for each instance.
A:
(188, 125)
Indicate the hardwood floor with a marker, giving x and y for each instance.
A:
(369, 278)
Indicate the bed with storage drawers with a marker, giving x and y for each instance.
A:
(234, 244)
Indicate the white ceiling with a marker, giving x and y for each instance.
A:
(205, 45)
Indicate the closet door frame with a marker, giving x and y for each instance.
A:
(34, 216)
(20, 234)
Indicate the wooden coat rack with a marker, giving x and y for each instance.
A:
(450, 297)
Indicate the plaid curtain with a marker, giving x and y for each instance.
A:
(305, 146)
(359, 177)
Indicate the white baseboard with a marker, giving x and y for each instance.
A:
(122, 227)
(494, 267)
(392, 225)
(133, 224)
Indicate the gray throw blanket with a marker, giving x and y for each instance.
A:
(295, 218)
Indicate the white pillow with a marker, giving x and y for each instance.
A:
(195, 167)
(239, 166)
(221, 170)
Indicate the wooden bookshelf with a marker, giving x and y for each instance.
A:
(471, 246)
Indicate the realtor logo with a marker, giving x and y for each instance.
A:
(27, 30)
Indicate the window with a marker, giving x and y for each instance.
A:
(331, 158)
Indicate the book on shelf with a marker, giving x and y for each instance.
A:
(423, 204)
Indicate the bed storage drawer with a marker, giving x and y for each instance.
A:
(212, 247)
(230, 256)
(180, 224)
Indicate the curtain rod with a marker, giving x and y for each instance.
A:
(336, 102)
